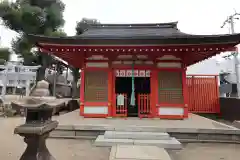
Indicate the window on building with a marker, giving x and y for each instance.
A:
(17, 69)
(170, 87)
(11, 81)
(96, 86)
(23, 82)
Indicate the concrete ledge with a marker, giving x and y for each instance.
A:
(217, 131)
(231, 135)
(214, 137)
(195, 137)
(185, 135)
(147, 129)
(207, 141)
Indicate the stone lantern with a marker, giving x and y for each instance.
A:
(37, 127)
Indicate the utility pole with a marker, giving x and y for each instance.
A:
(230, 20)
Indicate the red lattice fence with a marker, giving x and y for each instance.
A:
(144, 105)
(203, 94)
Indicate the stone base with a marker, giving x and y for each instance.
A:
(36, 148)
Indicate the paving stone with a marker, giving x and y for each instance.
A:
(101, 141)
(133, 152)
(135, 135)
(167, 144)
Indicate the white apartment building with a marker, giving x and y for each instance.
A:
(14, 75)
(214, 66)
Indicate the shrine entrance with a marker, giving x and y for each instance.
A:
(124, 91)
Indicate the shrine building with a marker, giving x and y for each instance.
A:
(134, 70)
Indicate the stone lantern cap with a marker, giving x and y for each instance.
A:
(38, 115)
(33, 102)
(40, 103)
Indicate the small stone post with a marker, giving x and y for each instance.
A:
(27, 88)
(36, 130)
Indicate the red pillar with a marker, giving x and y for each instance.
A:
(154, 92)
(113, 94)
(82, 85)
(110, 91)
(185, 92)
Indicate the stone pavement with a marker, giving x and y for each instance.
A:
(133, 152)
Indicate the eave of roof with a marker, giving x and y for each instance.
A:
(136, 34)
(141, 40)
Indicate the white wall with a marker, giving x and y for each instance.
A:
(207, 67)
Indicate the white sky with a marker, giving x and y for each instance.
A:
(194, 16)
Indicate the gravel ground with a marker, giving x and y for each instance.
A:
(207, 151)
(61, 149)
(12, 146)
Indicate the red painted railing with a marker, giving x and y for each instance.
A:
(203, 94)
(121, 110)
(144, 107)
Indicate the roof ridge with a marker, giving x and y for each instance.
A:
(136, 25)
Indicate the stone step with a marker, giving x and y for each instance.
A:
(101, 141)
(134, 152)
(136, 135)
(171, 143)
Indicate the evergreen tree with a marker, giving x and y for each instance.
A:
(42, 17)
